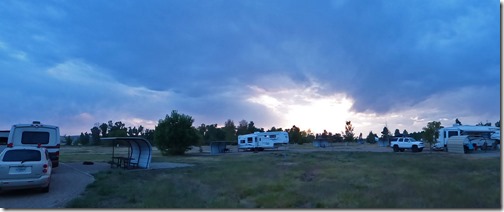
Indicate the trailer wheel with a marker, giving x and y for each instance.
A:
(396, 148)
(414, 148)
(485, 146)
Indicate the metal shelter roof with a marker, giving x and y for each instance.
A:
(141, 149)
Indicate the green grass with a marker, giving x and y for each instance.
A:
(304, 180)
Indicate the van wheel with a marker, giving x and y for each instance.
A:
(396, 148)
(414, 149)
(46, 189)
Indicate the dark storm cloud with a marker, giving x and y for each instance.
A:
(209, 52)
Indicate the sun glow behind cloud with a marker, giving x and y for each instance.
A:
(305, 108)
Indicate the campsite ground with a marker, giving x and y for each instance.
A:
(301, 176)
(342, 176)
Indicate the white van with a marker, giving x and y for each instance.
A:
(37, 134)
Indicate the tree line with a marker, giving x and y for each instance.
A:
(176, 133)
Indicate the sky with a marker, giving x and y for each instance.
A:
(278, 63)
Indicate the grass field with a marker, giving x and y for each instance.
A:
(303, 180)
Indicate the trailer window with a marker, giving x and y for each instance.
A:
(452, 133)
(249, 139)
(30, 137)
(272, 136)
(242, 141)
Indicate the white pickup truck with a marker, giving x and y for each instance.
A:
(407, 143)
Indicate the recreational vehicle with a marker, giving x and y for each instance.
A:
(37, 135)
(481, 135)
(262, 140)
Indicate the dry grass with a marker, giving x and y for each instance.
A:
(304, 180)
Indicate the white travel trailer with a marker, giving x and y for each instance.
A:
(37, 134)
(262, 140)
(4, 136)
(481, 135)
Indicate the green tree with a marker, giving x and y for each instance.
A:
(307, 136)
(175, 134)
(95, 135)
(349, 136)
(214, 134)
(140, 130)
(397, 133)
(251, 127)
(295, 135)
(84, 138)
(242, 128)
(405, 133)
(230, 130)
(417, 135)
(338, 138)
(132, 132)
(385, 134)
(371, 138)
(149, 135)
(104, 129)
(117, 130)
(68, 140)
(430, 131)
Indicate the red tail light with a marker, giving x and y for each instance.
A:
(10, 145)
(45, 168)
(39, 145)
(57, 153)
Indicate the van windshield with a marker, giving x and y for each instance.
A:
(22, 155)
(30, 137)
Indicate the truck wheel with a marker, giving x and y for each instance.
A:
(414, 149)
(396, 148)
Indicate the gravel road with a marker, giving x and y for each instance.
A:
(68, 181)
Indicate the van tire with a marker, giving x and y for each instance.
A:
(396, 148)
(46, 189)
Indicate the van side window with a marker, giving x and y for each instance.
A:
(31, 137)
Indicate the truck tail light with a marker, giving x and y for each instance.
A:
(45, 166)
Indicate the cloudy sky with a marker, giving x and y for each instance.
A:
(313, 64)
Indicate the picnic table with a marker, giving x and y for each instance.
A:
(123, 162)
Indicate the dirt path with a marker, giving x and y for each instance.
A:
(68, 181)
